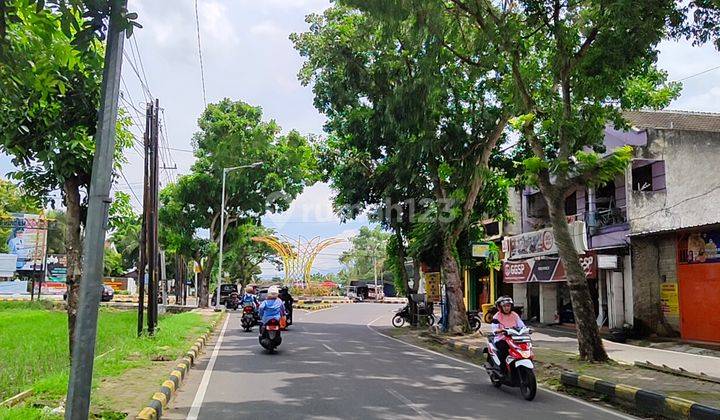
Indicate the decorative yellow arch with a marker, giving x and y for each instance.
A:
(298, 255)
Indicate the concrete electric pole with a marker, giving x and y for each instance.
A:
(81, 370)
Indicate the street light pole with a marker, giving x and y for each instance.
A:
(222, 225)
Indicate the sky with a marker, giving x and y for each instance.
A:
(247, 55)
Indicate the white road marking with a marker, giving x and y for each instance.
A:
(332, 350)
(422, 413)
(585, 403)
(200, 395)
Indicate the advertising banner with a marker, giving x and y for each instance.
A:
(542, 242)
(51, 288)
(27, 241)
(545, 269)
(7, 265)
(13, 287)
(669, 299)
(57, 268)
(699, 248)
(432, 287)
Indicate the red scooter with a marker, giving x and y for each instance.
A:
(519, 370)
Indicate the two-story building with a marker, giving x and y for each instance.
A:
(648, 240)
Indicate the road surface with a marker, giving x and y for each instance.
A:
(333, 365)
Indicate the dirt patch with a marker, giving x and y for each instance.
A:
(130, 391)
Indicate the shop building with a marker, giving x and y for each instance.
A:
(674, 224)
(642, 234)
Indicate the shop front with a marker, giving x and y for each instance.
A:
(540, 284)
(698, 293)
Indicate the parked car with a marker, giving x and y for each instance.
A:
(225, 290)
(107, 294)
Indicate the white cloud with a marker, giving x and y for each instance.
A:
(269, 29)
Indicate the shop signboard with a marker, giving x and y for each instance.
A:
(545, 269)
(27, 240)
(432, 287)
(669, 299)
(699, 248)
(542, 242)
(481, 250)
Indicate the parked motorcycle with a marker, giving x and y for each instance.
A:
(270, 337)
(403, 315)
(519, 370)
(248, 318)
(474, 320)
(233, 301)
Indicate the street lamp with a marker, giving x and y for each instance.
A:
(222, 224)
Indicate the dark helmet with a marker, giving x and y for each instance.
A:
(503, 300)
(284, 289)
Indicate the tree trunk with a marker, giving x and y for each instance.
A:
(590, 344)
(202, 290)
(457, 316)
(409, 291)
(71, 188)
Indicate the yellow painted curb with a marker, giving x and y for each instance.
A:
(147, 413)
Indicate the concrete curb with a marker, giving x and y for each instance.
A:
(458, 346)
(313, 307)
(643, 400)
(154, 409)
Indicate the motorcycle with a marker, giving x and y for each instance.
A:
(288, 312)
(248, 317)
(270, 337)
(474, 320)
(403, 315)
(519, 369)
(233, 301)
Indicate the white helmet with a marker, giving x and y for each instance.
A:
(273, 291)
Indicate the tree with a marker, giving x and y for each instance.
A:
(366, 257)
(50, 76)
(126, 226)
(243, 255)
(570, 67)
(232, 133)
(414, 113)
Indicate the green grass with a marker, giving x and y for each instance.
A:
(33, 340)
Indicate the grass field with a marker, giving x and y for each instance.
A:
(33, 344)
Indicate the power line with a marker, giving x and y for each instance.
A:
(202, 69)
(698, 74)
(131, 188)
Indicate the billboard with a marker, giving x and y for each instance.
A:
(28, 240)
(57, 268)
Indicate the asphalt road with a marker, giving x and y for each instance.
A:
(332, 365)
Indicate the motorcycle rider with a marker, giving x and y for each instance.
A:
(506, 318)
(271, 308)
(287, 299)
(249, 297)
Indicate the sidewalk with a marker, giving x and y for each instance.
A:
(557, 353)
(629, 354)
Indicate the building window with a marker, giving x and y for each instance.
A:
(492, 229)
(571, 204)
(537, 207)
(648, 176)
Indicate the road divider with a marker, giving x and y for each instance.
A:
(312, 307)
(646, 401)
(154, 409)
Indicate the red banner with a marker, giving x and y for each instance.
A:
(545, 269)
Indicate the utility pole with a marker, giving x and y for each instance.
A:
(145, 220)
(153, 254)
(81, 370)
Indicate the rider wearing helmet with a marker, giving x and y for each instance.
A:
(272, 307)
(506, 318)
